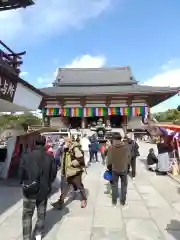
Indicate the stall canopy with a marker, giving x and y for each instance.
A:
(169, 130)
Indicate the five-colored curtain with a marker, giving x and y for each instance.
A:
(96, 112)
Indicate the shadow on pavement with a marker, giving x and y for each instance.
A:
(173, 228)
(9, 197)
(53, 217)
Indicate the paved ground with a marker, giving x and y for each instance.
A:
(152, 213)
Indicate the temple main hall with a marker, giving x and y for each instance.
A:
(79, 97)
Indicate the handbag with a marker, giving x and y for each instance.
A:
(107, 175)
(33, 188)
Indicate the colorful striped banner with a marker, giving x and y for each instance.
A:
(137, 111)
(75, 112)
(52, 111)
(89, 112)
(126, 111)
(123, 111)
(92, 112)
(98, 112)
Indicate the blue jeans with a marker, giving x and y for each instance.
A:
(124, 183)
(57, 161)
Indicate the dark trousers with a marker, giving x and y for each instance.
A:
(76, 182)
(93, 155)
(64, 184)
(29, 206)
(124, 183)
(133, 166)
(103, 158)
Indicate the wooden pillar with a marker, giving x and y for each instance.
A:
(128, 118)
(45, 119)
(64, 123)
(107, 117)
(83, 119)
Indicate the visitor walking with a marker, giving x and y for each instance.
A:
(72, 170)
(118, 158)
(134, 149)
(94, 148)
(58, 154)
(85, 143)
(37, 172)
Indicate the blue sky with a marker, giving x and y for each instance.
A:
(93, 33)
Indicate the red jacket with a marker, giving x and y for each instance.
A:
(49, 150)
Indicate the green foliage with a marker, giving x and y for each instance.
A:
(171, 115)
(19, 121)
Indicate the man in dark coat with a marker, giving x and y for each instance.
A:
(37, 172)
(118, 158)
(94, 148)
(134, 148)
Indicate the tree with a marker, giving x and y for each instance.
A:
(171, 115)
(19, 121)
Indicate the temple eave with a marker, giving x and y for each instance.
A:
(152, 98)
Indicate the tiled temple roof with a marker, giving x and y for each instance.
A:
(104, 81)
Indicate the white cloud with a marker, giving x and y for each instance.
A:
(172, 64)
(87, 61)
(84, 61)
(169, 77)
(23, 74)
(50, 17)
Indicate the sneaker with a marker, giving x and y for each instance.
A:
(123, 202)
(58, 204)
(133, 179)
(114, 203)
(38, 237)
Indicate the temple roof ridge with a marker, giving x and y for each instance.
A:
(127, 68)
(96, 76)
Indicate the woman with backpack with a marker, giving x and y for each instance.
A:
(72, 169)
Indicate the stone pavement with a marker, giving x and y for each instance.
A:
(152, 212)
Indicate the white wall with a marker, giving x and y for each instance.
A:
(26, 98)
(4, 167)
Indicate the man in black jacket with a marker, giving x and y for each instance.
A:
(37, 172)
(134, 148)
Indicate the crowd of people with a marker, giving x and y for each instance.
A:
(39, 168)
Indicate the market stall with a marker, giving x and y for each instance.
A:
(168, 145)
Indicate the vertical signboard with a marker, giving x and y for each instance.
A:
(7, 88)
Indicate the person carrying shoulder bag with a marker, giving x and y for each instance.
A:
(73, 165)
(37, 172)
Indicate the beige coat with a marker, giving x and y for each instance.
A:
(71, 167)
